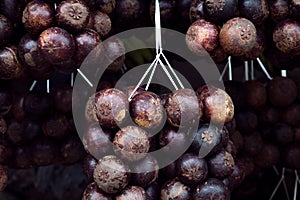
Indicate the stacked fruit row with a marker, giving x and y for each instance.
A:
(121, 163)
(267, 119)
(246, 29)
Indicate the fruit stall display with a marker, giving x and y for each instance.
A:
(252, 126)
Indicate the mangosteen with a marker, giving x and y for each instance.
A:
(210, 190)
(191, 169)
(238, 36)
(221, 164)
(133, 193)
(202, 37)
(286, 37)
(282, 91)
(111, 107)
(131, 143)
(147, 111)
(217, 104)
(174, 189)
(111, 174)
(183, 108)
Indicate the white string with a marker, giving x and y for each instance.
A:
(32, 85)
(72, 79)
(283, 73)
(224, 71)
(172, 70)
(157, 28)
(48, 86)
(230, 68)
(84, 77)
(159, 52)
(296, 185)
(263, 68)
(252, 70)
(246, 71)
(143, 77)
(151, 75)
(278, 184)
(168, 74)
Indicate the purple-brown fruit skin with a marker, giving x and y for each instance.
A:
(111, 174)
(208, 140)
(210, 190)
(268, 156)
(220, 11)
(132, 193)
(173, 141)
(97, 141)
(271, 115)
(146, 171)
(218, 54)
(89, 165)
(10, 66)
(106, 6)
(3, 126)
(6, 152)
(202, 37)
(37, 16)
(256, 94)
(279, 9)
(3, 178)
(283, 134)
(295, 9)
(258, 47)
(281, 91)
(173, 190)
(237, 140)
(236, 178)
(56, 45)
(167, 11)
(114, 49)
(146, 110)
(291, 156)
(196, 10)
(291, 115)
(86, 41)
(23, 157)
(56, 127)
(217, 104)
(131, 143)
(286, 37)
(237, 36)
(29, 54)
(92, 192)
(12, 9)
(183, 108)
(101, 23)
(71, 150)
(253, 143)
(111, 106)
(62, 97)
(72, 15)
(221, 164)
(6, 30)
(44, 151)
(6, 99)
(255, 10)
(90, 111)
(191, 169)
(153, 191)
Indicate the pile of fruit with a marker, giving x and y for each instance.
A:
(49, 39)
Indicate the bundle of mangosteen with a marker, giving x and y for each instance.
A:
(181, 144)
